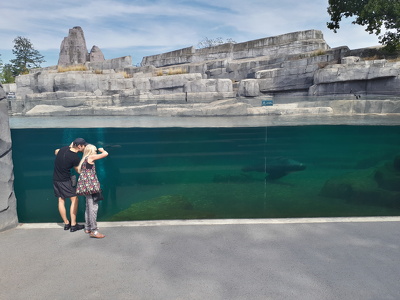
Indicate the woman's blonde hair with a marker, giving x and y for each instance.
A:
(89, 150)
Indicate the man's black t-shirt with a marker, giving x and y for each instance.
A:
(64, 162)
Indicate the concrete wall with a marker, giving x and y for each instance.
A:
(8, 202)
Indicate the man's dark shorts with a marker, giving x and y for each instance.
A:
(64, 189)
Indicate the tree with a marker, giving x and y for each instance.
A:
(1, 66)
(1, 71)
(206, 42)
(376, 15)
(6, 75)
(26, 57)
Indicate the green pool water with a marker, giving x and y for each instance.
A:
(192, 173)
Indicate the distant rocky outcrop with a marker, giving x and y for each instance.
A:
(96, 55)
(298, 71)
(269, 48)
(73, 49)
(8, 206)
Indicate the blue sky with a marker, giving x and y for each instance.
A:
(140, 28)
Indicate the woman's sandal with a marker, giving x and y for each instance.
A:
(96, 234)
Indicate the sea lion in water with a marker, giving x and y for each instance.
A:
(276, 168)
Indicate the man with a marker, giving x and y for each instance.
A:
(66, 159)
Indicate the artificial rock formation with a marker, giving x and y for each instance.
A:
(298, 70)
(377, 185)
(357, 76)
(8, 209)
(73, 49)
(271, 47)
(96, 55)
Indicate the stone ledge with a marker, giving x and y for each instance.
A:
(227, 107)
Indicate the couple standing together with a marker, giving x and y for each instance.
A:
(66, 159)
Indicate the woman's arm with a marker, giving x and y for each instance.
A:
(94, 157)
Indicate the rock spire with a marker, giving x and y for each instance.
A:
(73, 49)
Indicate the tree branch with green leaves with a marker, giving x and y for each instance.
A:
(380, 17)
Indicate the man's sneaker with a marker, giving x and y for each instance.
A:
(76, 227)
(67, 226)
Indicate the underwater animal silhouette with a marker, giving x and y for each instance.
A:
(276, 168)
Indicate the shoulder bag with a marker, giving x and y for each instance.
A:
(87, 183)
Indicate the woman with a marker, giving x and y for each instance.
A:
(88, 182)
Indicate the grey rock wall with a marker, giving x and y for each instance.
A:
(87, 89)
(73, 48)
(244, 60)
(117, 64)
(8, 202)
(176, 57)
(281, 67)
(96, 55)
(295, 74)
(285, 44)
(9, 87)
(359, 77)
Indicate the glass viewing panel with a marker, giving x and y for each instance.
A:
(198, 173)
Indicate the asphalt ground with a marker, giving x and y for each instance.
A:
(337, 258)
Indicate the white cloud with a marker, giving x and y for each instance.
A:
(165, 24)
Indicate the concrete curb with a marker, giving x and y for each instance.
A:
(220, 222)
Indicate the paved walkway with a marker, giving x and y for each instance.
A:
(339, 258)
